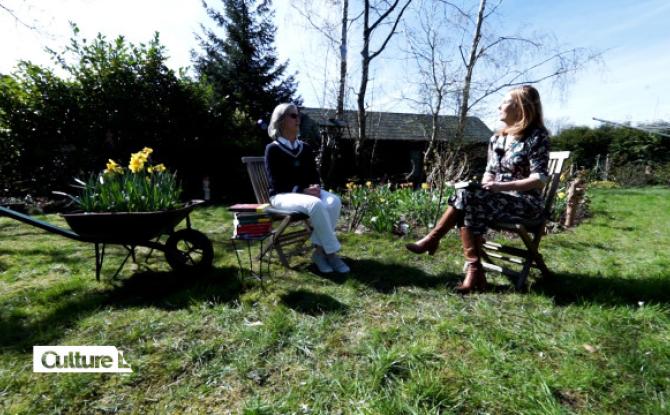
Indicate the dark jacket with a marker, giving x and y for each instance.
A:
(290, 171)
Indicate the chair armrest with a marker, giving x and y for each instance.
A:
(280, 213)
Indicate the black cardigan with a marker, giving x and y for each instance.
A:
(290, 171)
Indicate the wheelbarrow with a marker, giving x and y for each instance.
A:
(185, 249)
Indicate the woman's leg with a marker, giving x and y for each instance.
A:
(333, 205)
(431, 241)
(475, 276)
(323, 234)
(481, 207)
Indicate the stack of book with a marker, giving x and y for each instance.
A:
(250, 220)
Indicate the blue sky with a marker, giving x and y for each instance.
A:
(632, 85)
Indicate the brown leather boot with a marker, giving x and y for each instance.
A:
(431, 241)
(475, 277)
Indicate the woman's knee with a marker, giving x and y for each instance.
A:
(316, 205)
(334, 202)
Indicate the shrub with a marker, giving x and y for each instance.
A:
(111, 96)
(603, 184)
(387, 208)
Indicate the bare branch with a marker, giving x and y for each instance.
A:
(17, 18)
(502, 39)
(391, 32)
(460, 11)
(516, 81)
(493, 9)
(383, 16)
(460, 50)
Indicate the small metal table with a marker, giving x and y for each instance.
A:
(248, 241)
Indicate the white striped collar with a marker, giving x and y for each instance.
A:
(289, 148)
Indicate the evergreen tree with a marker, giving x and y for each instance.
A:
(243, 68)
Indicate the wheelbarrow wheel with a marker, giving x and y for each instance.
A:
(189, 250)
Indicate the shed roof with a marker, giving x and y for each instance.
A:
(401, 126)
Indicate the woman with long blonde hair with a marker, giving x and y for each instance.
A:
(510, 191)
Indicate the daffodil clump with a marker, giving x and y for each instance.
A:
(140, 187)
(386, 207)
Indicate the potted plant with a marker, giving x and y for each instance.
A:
(137, 202)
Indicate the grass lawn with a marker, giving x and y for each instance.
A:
(390, 338)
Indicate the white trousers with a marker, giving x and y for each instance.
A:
(323, 214)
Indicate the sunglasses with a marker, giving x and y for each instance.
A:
(293, 115)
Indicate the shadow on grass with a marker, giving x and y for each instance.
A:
(9, 224)
(578, 245)
(172, 290)
(385, 277)
(28, 233)
(311, 303)
(165, 290)
(568, 288)
(56, 256)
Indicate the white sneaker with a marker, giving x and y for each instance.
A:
(321, 262)
(337, 263)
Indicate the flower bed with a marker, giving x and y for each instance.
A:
(394, 208)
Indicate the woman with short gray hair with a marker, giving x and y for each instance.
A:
(294, 185)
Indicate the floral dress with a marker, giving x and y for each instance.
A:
(509, 158)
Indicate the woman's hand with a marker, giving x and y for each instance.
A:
(522, 185)
(493, 186)
(313, 190)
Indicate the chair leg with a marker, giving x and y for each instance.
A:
(282, 256)
(539, 261)
(274, 242)
(532, 254)
(523, 275)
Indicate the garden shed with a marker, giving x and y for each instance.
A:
(396, 141)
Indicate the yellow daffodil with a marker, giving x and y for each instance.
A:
(425, 186)
(561, 195)
(368, 185)
(137, 161)
(158, 168)
(112, 167)
(350, 185)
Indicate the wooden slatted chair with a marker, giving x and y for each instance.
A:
(290, 229)
(530, 233)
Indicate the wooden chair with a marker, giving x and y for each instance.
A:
(291, 229)
(530, 233)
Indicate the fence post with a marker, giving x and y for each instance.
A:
(575, 196)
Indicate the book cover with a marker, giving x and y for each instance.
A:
(249, 207)
(254, 227)
(467, 185)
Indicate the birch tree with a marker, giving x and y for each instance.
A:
(510, 60)
(377, 17)
(437, 73)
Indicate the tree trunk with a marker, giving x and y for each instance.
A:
(575, 196)
(469, 69)
(365, 70)
(339, 114)
(435, 116)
